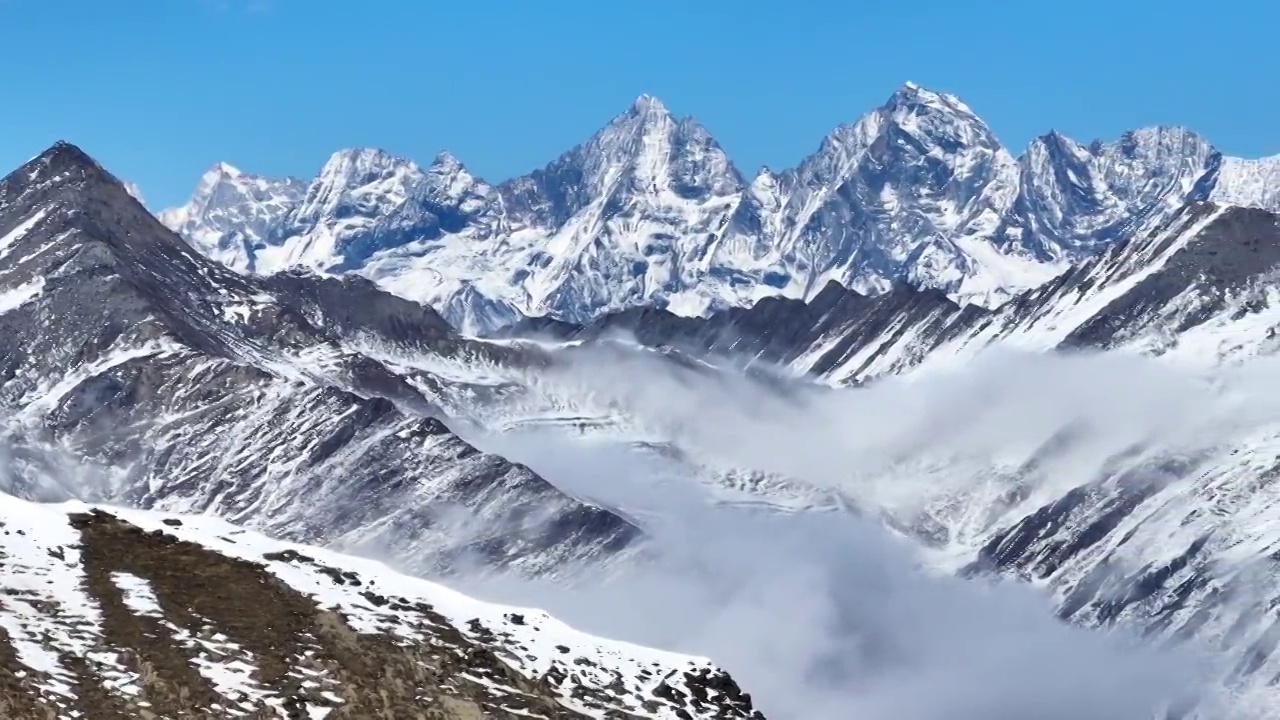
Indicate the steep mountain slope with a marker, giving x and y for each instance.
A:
(173, 382)
(1078, 198)
(912, 191)
(1136, 494)
(233, 215)
(123, 614)
(650, 212)
(1194, 287)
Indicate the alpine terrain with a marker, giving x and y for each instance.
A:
(135, 614)
(1053, 368)
(171, 382)
(139, 374)
(651, 212)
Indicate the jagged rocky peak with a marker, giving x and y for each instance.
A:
(914, 100)
(884, 200)
(375, 180)
(923, 157)
(645, 104)
(1255, 183)
(643, 152)
(1076, 198)
(944, 149)
(371, 175)
(447, 162)
(232, 213)
(62, 161)
(60, 181)
(448, 182)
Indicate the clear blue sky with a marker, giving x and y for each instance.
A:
(159, 90)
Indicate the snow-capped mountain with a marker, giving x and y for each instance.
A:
(1171, 531)
(143, 374)
(166, 380)
(232, 214)
(127, 613)
(913, 191)
(1194, 287)
(650, 212)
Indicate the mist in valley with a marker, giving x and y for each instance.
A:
(832, 615)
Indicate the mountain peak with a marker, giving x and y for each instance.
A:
(66, 148)
(446, 159)
(353, 167)
(648, 105)
(914, 97)
(363, 156)
(228, 170)
(1054, 139)
(910, 90)
(62, 156)
(62, 163)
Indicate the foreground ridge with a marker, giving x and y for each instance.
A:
(122, 614)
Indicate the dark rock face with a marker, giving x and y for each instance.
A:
(186, 385)
(844, 324)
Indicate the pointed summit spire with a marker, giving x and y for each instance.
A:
(61, 163)
(648, 104)
(446, 159)
(227, 169)
(912, 93)
(65, 154)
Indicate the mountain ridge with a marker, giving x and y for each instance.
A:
(113, 613)
(651, 211)
(113, 323)
(251, 390)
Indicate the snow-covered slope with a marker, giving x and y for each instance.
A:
(1136, 491)
(650, 212)
(125, 613)
(233, 215)
(1254, 183)
(172, 382)
(1195, 286)
(913, 191)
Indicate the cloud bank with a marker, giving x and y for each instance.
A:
(829, 617)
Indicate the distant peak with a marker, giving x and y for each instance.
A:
(913, 97)
(65, 152)
(444, 158)
(363, 159)
(1054, 137)
(216, 174)
(226, 169)
(912, 92)
(646, 104)
(357, 154)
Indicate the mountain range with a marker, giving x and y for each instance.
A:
(293, 364)
(651, 212)
(172, 382)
